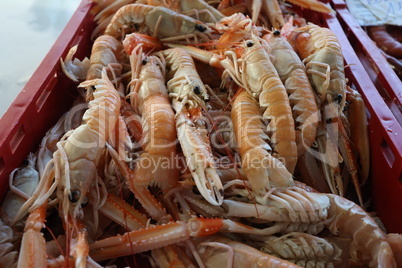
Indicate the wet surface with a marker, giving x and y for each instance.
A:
(28, 30)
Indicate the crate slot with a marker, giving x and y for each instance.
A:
(387, 152)
(2, 165)
(16, 140)
(45, 94)
(396, 108)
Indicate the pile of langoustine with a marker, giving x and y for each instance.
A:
(187, 144)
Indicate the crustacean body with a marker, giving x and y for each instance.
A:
(209, 181)
(301, 96)
(262, 169)
(188, 95)
(105, 53)
(255, 72)
(74, 165)
(155, 165)
(155, 21)
(321, 52)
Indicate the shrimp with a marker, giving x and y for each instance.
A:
(359, 134)
(8, 256)
(76, 157)
(273, 12)
(74, 69)
(262, 169)
(156, 21)
(234, 29)
(321, 52)
(313, 5)
(70, 120)
(301, 96)
(220, 251)
(74, 167)
(311, 212)
(105, 53)
(23, 182)
(189, 94)
(156, 165)
(203, 11)
(83, 146)
(197, 9)
(255, 72)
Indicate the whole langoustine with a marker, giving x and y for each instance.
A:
(156, 21)
(262, 169)
(155, 166)
(321, 52)
(75, 160)
(256, 73)
(189, 94)
(301, 96)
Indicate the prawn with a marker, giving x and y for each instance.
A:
(197, 9)
(262, 169)
(74, 168)
(301, 95)
(189, 94)
(83, 147)
(321, 52)
(8, 256)
(23, 182)
(105, 53)
(149, 97)
(76, 156)
(255, 72)
(156, 21)
(273, 12)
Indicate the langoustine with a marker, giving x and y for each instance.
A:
(301, 212)
(189, 95)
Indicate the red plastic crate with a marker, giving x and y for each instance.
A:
(384, 78)
(46, 96)
(49, 93)
(386, 117)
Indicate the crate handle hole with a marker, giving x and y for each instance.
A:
(16, 140)
(387, 152)
(45, 94)
(2, 165)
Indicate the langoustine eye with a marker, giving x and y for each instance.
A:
(74, 196)
(197, 90)
(338, 98)
(200, 27)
